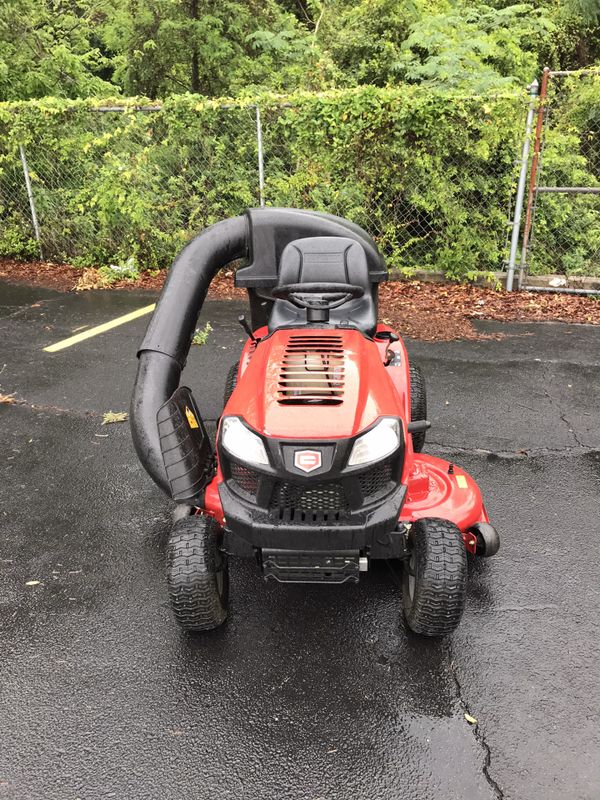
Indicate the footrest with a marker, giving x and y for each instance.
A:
(296, 566)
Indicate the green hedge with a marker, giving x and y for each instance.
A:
(111, 186)
(429, 174)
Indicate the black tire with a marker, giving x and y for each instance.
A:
(231, 382)
(434, 581)
(197, 573)
(418, 404)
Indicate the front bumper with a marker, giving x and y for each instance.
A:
(370, 528)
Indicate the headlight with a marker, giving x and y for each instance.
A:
(238, 440)
(377, 443)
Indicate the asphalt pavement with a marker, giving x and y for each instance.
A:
(308, 692)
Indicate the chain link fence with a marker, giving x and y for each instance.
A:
(429, 176)
(562, 224)
(428, 206)
(113, 183)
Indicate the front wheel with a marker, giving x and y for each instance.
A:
(197, 573)
(434, 580)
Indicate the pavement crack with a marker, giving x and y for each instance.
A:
(22, 310)
(580, 449)
(56, 410)
(563, 416)
(572, 431)
(479, 735)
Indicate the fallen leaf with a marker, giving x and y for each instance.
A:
(7, 399)
(114, 416)
(91, 278)
(471, 720)
(426, 311)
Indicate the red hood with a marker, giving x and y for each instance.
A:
(339, 371)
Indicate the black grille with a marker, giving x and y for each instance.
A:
(246, 479)
(375, 480)
(326, 496)
(318, 501)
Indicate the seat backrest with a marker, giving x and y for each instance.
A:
(326, 259)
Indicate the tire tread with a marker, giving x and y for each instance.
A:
(441, 582)
(192, 556)
(418, 404)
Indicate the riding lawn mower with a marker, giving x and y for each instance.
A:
(318, 467)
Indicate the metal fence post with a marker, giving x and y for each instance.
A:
(34, 219)
(261, 165)
(533, 175)
(516, 228)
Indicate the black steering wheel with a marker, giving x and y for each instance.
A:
(337, 294)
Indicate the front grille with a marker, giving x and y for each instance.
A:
(375, 479)
(312, 371)
(319, 501)
(325, 496)
(246, 479)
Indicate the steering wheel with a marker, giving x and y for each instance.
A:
(338, 294)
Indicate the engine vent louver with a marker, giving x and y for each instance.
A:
(312, 371)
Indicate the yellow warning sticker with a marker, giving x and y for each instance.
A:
(461, 482)
(192, 421)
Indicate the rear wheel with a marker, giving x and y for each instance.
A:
(418, 404)
(231, 382)
(197, 573)
(434, 580)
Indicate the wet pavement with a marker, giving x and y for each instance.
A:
(307, 692)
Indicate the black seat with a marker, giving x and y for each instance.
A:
(326, 259)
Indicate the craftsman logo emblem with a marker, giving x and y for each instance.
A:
(307, 460)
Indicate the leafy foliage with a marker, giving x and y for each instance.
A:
(48, 48)
(403, 116)
(428, 173)
(82, 48)
(201, 335)
(483, 50)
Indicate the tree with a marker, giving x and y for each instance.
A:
(477, 50)
(79, 48)
(50, 48)
(204, 46)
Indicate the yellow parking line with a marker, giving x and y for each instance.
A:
(106, 326)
